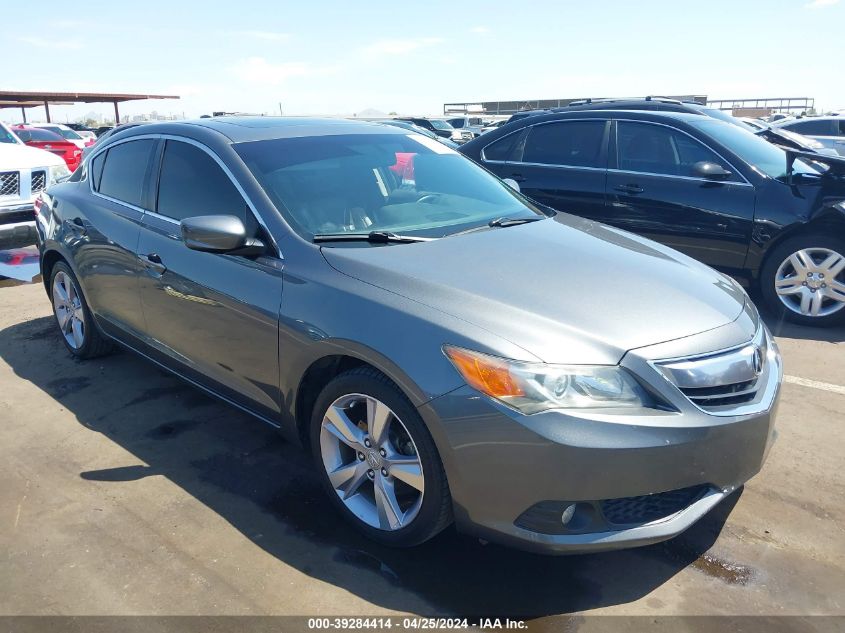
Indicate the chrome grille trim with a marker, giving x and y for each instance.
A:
(38, 180)
(735, 381)
(10, 183)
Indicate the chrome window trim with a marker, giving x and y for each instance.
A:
(675, 129)
(207, 150)
(745, 183)
(507, 162)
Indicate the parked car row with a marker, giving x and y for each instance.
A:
(447, 349)
(24, 173)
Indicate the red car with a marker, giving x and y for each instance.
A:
(50, 141)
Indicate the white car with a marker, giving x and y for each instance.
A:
(24, 173)
(65, 132)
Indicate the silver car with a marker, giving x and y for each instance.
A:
(828, 130)
(446, 349)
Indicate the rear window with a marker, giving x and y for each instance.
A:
(124, 172)
(810, 127)
(38, 134)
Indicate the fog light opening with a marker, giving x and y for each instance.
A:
(567, 514)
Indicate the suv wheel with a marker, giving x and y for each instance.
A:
(377, 460)
(76, 325)
(803, 280)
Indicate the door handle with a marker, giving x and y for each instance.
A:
(153, 262)
(629, 188)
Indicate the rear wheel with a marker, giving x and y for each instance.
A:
(377, 460)
(76, 325)
(803, 280)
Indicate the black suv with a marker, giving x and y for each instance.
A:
(705, 187)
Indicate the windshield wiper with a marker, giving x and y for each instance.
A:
(375, 237)
(503, 222)
(499, 223)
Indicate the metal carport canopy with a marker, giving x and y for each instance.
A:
(22, 99)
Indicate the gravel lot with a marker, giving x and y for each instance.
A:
(125, 491)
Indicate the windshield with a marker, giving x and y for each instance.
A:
(358, 183)
(764, 157)
(440, 125)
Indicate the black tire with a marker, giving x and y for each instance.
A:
(770, 269)
(435, 512)
(94, 343)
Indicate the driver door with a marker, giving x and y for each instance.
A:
(212, 316)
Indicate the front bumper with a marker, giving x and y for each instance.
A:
(16, 227)
(513, 475)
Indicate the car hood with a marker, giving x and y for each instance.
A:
(14, 156)
(566, 290)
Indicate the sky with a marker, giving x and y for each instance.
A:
(334, 57)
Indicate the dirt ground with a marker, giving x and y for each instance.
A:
(125, 491)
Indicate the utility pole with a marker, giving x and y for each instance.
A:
(280, 109)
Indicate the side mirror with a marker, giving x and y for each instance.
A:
(513, 184)
(711, 171)
(219, 234)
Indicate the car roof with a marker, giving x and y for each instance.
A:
(241, 129)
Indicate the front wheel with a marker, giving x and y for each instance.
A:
(377, 461)
(803, 280)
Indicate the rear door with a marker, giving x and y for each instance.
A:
(214, 316)
(103, 232)
(653, 191)
(562, 164)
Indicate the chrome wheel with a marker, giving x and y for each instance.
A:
(67, 304)
(372, 461)
(811, 282)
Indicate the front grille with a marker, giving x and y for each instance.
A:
(38, 180)
(10, 183)
(648, 508)
(723, 395)
(721, 382)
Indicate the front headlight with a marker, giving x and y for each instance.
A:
(57, 173)
(535, 387)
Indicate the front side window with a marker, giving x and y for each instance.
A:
(762, 156)
(124, 171)
(359, 183)
(572, 143)
(656, 149)
(192, 183)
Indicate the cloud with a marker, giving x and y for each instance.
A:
(57, 44)
(268, 36)
(480, 30)
(401, 47)
(259, 70)
(820, 4)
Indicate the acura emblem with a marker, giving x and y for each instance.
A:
(757, 360)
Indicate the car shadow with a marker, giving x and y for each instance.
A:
(786, 329)
(213, 451)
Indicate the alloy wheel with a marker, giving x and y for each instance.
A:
(372, 462)
(811, 282)
(67, 304)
